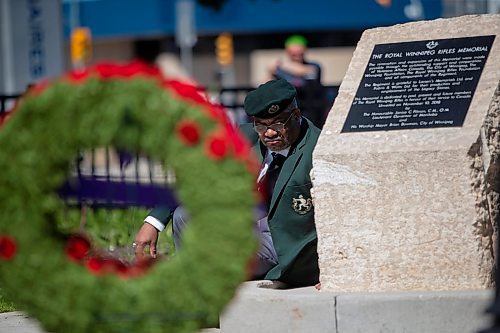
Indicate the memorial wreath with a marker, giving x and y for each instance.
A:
(60, 279)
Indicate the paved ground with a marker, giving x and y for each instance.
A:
(17, 322)
(257, 305)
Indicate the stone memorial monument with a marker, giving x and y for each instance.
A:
(406, 173)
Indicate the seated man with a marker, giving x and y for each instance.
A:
(284, 141)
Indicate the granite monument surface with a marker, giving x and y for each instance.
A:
(406, 172)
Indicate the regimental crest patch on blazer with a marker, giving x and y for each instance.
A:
(301, 205)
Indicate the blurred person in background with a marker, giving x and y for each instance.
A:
(294, 67)
(305, 76)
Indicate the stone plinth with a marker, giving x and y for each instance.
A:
(263, 310)
(411, 209)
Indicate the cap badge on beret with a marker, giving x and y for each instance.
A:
(269, 99)
(273, 109)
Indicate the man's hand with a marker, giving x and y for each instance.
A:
(147, 236)
(297, 68)
(272, 68)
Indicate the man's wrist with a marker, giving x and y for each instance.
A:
(155, 223)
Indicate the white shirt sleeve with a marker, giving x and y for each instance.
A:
(154, 222)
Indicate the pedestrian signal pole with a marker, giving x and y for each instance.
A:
(80, 40)
(224, 49)
(185, 32)
(224, 52)
(81, 47)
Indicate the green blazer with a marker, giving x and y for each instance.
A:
(291, 213)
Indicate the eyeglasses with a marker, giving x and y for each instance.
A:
(277, 127)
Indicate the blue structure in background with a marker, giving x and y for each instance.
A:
(133, 18)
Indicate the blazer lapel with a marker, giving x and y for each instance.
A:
(288, 168)
(290, 164)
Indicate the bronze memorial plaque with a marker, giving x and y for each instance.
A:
(422, 84)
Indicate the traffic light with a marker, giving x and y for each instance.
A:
(224, 49)
(81, 46)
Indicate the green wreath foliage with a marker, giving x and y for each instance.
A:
(139, 113)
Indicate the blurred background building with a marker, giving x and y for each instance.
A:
(127, 29)
(36, 36)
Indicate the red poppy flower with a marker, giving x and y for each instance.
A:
(99, 265)
(137, 67)
(78, 75)
(240, 146)
(188, 132)
(188, 91)
(140, 267)
(262, 190)
(217, 147)
(110, 70)
(107, 70)
(7, 248)
(4, 117)
(118, 267)
(39, 87)
(219, 113)
(95, 265)
(77, 247)
(253, 167)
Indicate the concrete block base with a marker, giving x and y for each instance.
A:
(258, 309)
(414, 312)
(263, 309)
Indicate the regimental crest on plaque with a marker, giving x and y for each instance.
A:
(301, 205)
(432, 45)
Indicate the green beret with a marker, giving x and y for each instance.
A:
(270, 99)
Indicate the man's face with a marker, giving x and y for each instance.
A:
(274, 138)
(296, 52)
